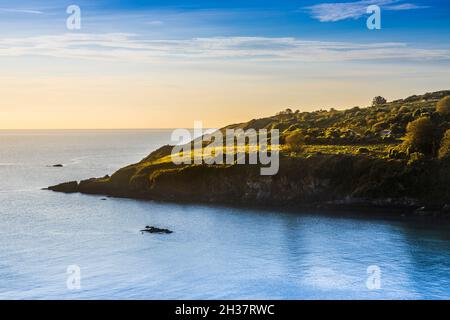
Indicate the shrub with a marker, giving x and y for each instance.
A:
(403, 109)
(287, 111)
(417, 113)
(443, 106)
(416, 157)
(394, 153)
(379, 126)
(363, 150)
(396, 129)
(378, 101)
(294, 141)
(421, 136)
(444, 151)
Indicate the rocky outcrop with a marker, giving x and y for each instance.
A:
(67, 187)
(326, 181)
(151, 229)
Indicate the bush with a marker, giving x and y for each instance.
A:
(378, 101)
(363, 150)
(294, 141)
(416, 157)
(417, 113)
(394, 153)
(379, 126)
(421, 136)
(443, 106)
(444, 151)
(403, 109)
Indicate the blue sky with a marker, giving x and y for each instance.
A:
(418, 23)
(193, 58)
(409, 20)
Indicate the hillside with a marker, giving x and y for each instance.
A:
(391, 155)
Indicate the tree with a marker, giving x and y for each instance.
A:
(443, 106)
(421, 136)
(378, 101)
(444, 151)
(285, 112)
(295, 141)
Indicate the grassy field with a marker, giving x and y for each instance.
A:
(373, 150)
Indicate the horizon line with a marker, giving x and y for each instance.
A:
(97, 129)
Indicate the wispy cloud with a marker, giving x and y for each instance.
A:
(28, 11)
(405, 6)
(154, 23)
(331, 12)
(129, 47)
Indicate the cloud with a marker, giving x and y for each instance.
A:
(154, 23)
(332, 12)
(132, 48)
(405, 6)
(10, 10)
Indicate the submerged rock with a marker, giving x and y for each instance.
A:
(151, 229)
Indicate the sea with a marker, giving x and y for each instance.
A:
(75, 246)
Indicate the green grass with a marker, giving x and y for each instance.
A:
(374, 150)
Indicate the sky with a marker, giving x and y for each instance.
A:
(165, 64)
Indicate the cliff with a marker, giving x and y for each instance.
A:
(364, 164)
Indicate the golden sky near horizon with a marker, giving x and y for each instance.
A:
(80, 90)
(177, 99)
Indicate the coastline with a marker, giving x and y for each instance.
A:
(325, 159)
(244, 189)
(359, 208)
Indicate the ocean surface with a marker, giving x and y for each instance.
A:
(214, 253)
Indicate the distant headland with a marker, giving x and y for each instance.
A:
(390, 155)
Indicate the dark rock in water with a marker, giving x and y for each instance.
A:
(57, 166)
(68, 187)
(103, 199)
(429, 211)
(150, 229)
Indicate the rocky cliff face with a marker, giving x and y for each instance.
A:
(337, 180)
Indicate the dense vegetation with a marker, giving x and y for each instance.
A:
(396, 129)
(391, 153)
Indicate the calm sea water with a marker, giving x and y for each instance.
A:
(215, 252)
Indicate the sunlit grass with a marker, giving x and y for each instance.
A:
(375, 150)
